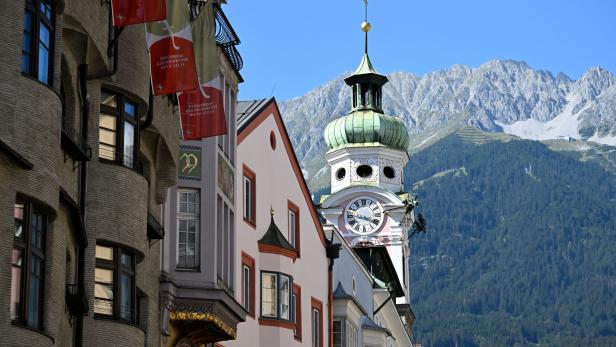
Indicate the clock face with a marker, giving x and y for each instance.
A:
(363, 216)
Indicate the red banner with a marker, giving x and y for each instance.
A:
(127, 12)
(202, 113)
(172, 66)
(202, 110)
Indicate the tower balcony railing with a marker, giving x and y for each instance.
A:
(74, 144)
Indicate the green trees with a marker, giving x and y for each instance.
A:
(520, 248)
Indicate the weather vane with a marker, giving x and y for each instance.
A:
(365, 27)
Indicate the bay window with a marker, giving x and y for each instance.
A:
(28, 265)
(114, 283)
(38, 40)
(118, 129)
(276, 295)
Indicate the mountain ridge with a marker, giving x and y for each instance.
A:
(498, 96)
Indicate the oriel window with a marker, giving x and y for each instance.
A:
(28, 265)
(118, 129)
(38, 40)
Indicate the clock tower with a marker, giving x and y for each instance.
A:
(367, 155)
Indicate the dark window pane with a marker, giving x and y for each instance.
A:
(37, 231)
(35, 291)
(46, 9)
(126, 296)
(108, 99)
(127, 260)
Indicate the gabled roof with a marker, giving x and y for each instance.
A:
(252, 113)
(274, 237)
(379, 264)
(341, 294)
(247, 110)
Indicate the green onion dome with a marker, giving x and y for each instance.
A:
(367, 128)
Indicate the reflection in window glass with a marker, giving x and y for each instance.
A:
(268, 295)
(284, 297)
(129, 144)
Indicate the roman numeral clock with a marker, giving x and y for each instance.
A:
(363, 216)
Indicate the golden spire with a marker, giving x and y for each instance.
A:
(365, 27)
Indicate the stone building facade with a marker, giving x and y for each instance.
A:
(86, 158)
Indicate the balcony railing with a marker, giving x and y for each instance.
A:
(75, 145)
(76, 301)
(226, 38)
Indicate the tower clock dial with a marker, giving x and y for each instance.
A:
(363, 216)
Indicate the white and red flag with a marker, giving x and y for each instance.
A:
(127, 12)
(172, 56)
(202, 109)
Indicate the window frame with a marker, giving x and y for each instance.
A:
(28, 251)
(121, 118)
(118, 269)
(249, 202)
(316, 308)
(38, 19)
(187, 216)
(294, 235)
(296, 299)
(278, 276)
(249, 263)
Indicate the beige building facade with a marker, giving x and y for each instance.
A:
(280, 258)
(86, 158)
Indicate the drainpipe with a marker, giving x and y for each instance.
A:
(332, 251)
(85, 110)
(112, 44)
(150, 115)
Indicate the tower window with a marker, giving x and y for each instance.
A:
(364, 94)
(389, 172)
(341, 173)
(364, 171)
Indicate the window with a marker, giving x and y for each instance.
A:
(297, 311)
(337, 332)
(28, 265)
(351, 335)
(249, 184)
(188, 228)
(317, 322)
(276, 295)
(248, 283)
(293, 214)
(118, 129)
(114, 283)
(38, 40)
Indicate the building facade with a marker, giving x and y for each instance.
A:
(281, 262)
(86, 158)
(198, 279)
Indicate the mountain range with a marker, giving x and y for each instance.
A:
(498, 96)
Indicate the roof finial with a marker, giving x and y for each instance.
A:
(365, 27)
(272, 211)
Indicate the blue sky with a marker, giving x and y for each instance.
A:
(290, 46)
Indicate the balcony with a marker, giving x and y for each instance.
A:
(155, 230)
(227, 39)
(75, 145)
(76, 301)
